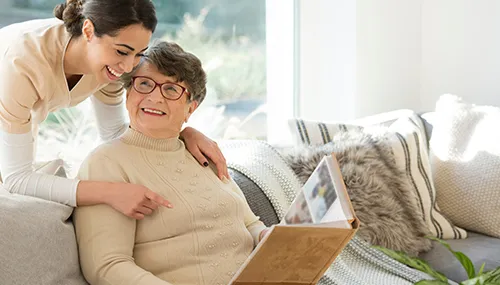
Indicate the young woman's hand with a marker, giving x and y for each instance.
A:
(132, 200)
(200, 146)
(135, 201)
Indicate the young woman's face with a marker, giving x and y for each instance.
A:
(109, 57)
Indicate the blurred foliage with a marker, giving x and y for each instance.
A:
(227, 35)
(236, 66)
(246, 17)
(68, 134)
(36, 4)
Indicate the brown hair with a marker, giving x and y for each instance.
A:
(108, 16)
(171, 60)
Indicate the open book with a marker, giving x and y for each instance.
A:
(318, 225)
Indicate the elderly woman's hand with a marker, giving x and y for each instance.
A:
(263, 233)
(200, 146)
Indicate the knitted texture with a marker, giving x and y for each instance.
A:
(465, 156)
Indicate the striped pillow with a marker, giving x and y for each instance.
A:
(410, 147)
(315, 132)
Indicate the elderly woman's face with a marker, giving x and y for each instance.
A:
(153, 114)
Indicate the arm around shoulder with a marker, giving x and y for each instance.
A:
(104, 179)
(98, 177)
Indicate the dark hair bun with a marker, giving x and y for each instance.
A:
(59, 10)
(71, 14)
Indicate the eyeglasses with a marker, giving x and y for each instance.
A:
(169, 90)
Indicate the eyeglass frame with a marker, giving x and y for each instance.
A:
(184, 89)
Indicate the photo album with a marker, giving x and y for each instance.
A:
(316, 228)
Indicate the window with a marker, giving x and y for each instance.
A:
(229, 36)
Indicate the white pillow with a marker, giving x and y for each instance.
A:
(465, 157)
(410, 148)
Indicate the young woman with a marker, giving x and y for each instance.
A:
(50, 64)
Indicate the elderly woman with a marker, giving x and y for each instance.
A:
(209, 230)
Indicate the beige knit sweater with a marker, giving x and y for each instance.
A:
(202, 240)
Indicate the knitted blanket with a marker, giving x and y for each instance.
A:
(358, 264)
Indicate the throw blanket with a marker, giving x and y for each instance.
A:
(358, 264)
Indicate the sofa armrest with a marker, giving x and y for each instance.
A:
(258, 201)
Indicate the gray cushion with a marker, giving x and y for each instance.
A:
(260, 205)
(479, 248)
(37, 242)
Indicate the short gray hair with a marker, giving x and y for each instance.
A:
(171, 60)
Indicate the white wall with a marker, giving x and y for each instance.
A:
(407, 54)
(388, 55)
(327, 67)
(461, 51)
(358, 58)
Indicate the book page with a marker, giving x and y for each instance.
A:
(341, 224)
(299, 212)
(319, 191)
(340, 188)
(322, 199)
(335, 213)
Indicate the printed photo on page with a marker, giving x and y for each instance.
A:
(299, 211)
(320, 192)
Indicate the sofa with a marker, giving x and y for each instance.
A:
(38, 245)
(480, 248)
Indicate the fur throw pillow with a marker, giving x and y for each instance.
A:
(381, 195)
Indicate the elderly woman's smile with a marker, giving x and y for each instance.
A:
(153, 112)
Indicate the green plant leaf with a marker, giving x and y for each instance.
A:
(464, 260)
(487, 278)
(413, 262)
(474, 281)
(480, 280)
(481, 269)
(431, 282)
(493, 276)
